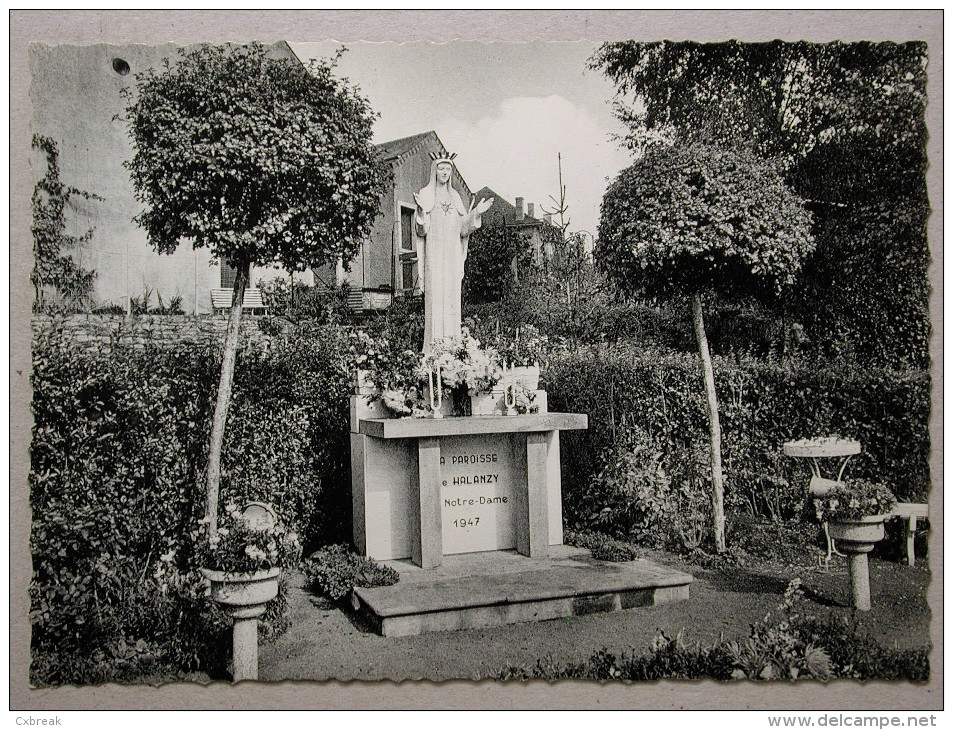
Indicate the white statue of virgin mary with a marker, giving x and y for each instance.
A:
(445, 224)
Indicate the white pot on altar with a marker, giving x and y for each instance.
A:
(528, 375)
(487, 404)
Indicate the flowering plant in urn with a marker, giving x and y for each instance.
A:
(240, 546)
(854, 499)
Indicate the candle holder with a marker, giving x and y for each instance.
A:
(509, 393)
(436, 396)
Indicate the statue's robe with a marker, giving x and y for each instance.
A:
(446, 230)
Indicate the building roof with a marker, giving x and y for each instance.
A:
(502, 208)
(397, 148)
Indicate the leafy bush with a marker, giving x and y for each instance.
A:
(866, 292)
(633, 495)
(601, 546)
(303, 302)
(763, 405)
(334, 571)
(498, 260)
(787, 646)
(287, 443)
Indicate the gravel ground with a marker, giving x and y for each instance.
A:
(328, 642)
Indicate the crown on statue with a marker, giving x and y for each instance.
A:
(437, 157)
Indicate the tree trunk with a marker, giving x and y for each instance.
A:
(714, 428)
(213, 472)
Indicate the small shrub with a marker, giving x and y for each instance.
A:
(107, 308)
(401, 324)
(303, 302)
(142, 304)
(635, 496)
(334, 571)
(602, 546)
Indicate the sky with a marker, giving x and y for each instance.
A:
(506, 109)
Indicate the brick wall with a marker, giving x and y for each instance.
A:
(92, 330)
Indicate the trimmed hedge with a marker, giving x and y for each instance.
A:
(117, 474)
(119, 451)
(657, 401)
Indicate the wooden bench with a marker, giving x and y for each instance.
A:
(222, 299)
(910, 511)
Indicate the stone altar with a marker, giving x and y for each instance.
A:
(425, 488)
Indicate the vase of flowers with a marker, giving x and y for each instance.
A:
(390, 376)
(466, 369)
(855, 511)
(242, 560)
(522, 397)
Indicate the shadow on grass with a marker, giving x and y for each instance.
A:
(743, 581)
(323, 603)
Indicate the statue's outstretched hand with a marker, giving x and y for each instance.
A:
(420, 208)
(484, 205)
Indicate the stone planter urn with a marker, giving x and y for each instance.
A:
(244, 597)
(856, 538)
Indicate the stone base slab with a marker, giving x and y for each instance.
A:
(491, 589)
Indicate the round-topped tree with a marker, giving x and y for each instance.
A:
(695, 220)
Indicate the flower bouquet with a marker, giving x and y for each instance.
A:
(392, 377)
(466, 368)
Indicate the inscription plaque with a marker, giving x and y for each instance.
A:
(479, 478)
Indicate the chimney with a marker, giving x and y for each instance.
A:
(519, 209)
(530, 209)
(548, 217)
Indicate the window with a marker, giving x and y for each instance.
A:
(408, 275)
(408, 252)
(407, 229)
(229, 273)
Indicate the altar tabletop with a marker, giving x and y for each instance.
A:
(398, 428)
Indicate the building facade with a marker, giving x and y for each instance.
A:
(388, 263)
(541, 235)
(78, 103)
